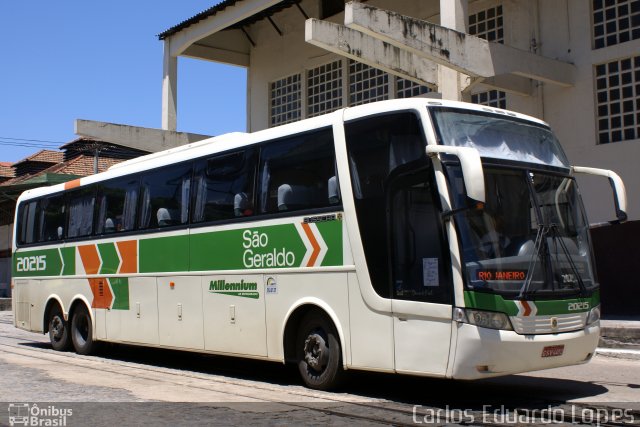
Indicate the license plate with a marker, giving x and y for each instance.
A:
(553, 350)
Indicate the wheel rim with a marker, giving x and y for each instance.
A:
(316, 352)
(57, 328)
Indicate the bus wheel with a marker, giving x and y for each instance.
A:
(82, 331)
(318, 352)
(58, 330)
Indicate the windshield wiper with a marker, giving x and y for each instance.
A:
(555, 235)
(537, 245)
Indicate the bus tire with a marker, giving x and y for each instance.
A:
(318, 352)
(58, 329)
(82, 331)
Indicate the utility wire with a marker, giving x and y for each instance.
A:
(32, 140)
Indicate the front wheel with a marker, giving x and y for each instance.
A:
(318, 352)
(82, 331)
(59, 330)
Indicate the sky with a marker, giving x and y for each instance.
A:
(77, 59)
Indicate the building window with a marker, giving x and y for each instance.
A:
(492, 98)
(615, 22)
(408, 89)
(286, 105)
(618, 100)
(324, 89)
(488, 24)
(366, 84)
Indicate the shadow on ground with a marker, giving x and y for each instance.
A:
(513, 390)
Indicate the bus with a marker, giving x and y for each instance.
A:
(414, 236)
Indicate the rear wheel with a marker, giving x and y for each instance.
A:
(58, 330)
(82, 331)
(318, 352)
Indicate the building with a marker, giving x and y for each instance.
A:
(81, 157)
(573, 63)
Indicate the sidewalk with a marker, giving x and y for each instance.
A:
(620, 338)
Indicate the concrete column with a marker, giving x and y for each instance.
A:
(169, 89)
(454, 15)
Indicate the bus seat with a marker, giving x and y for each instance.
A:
(164, 217)
(332, 189)
(241, 204)
(109, 227)
(293, 197)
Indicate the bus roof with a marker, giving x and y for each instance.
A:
(234, 140)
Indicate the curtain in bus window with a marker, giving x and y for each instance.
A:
(265, 179)
(129, 209)
(184, 211)
(81, 213)
(145, 208)
(200, 184)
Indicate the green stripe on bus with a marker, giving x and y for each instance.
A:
(69, 260)
(110, 259)
(164, 254)
(493, 302)
(120, 287)
(257, 247)
(331, 232)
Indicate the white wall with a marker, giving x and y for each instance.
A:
(562, 29)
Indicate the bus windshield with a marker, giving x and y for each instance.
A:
(497, 136)
(531, 237)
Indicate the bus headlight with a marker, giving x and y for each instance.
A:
(483, 319)
(593, 316)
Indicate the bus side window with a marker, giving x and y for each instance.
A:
(52, 218)
(295, 173)
(28, 224)
(165, 196)
(223, 186)
(118, 199)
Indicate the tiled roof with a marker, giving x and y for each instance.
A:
(78, 166)
(44, 156)
(6, 171)
(82, 165)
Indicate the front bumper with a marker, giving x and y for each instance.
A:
(484, 353)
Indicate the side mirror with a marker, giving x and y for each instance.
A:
(619, 193)
(471, 168)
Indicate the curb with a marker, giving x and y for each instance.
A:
(619, 353)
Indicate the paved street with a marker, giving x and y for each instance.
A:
(185, 388)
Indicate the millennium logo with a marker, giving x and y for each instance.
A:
(239, 289)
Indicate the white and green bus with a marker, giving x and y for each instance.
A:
(415, 236)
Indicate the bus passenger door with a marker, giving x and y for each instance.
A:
(421, 283)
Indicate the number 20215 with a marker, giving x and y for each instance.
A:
(32, 263)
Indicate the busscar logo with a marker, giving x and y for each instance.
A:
(239, 289)
(24, 414)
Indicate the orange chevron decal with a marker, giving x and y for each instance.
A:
(527, 308)
(129, 254)
(90, 258)
(314, 243)
(102, 296)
